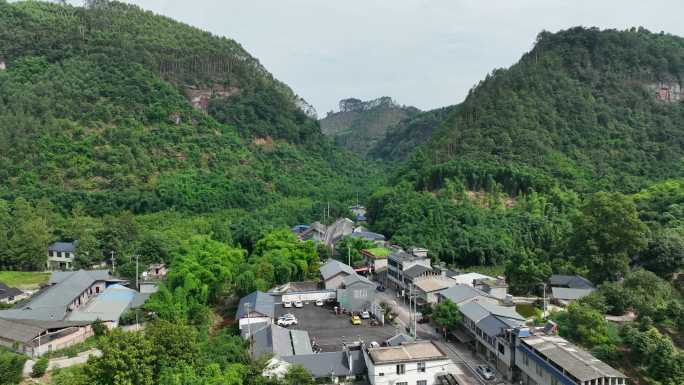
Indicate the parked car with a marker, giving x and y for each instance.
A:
(286, 321)
(485, 371)
(380, 288)
(365, 315)
(319, 302)
(355, 320)
(287, 304)
(299, 304)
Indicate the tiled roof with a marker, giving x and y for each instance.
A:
(334, 267)
(257, 301)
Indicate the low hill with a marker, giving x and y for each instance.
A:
(112, 108)
(359, 125)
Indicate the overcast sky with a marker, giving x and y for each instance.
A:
(426, 53)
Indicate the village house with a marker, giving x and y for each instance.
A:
(568, 288)
(428, 288)
(155, 271)
(544, 358)
(254, 308)
(403, 268)
(333, 273)
(61, 313)
(419, 363)
(10, 295)
(334, 367)
(359, 212)
(497, 287)
(357, 293)
(61, 255)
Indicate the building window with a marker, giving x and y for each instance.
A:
(381, 374)
(554, 381)
(502, 349)
(421, 382)
(421, 367)
(401, 369)
(539, 370)
(526, 360)
(402, 383)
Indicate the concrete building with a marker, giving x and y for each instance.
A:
(570, 281)
(403, 268)
(414, 363)
(493, 330)
(107, 306)
(66, 292)
(563, 296)
(256, 307)
(341, 366)
(497, 287)
(470, 278)
(35, 338)
(61, 255)
(357, 293)
(551, 360)
(376, 259)
(333, 272)
(155, 271)
(429, 287)
(270, 339)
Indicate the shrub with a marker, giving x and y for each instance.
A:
(40, 367)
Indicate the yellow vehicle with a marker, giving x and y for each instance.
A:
(355, 320)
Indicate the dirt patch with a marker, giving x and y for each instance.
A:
(199, 97)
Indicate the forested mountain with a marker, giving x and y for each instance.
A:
(359, 125)
(592, 109)
(112, 108)
(403, 138)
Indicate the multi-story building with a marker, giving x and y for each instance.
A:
(61, 255)
(493, 329)
(411, 363)
(551, 360)
(403, 268)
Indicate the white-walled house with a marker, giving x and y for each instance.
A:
(61, 255)
(413, 363)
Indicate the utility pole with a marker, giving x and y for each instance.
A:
(113, 262)
(544, 300)
(137, 286)
(349, 254)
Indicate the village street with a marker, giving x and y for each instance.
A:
(462, 356)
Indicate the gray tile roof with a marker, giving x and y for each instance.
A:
(301, 343)
(272, 340)
(96, 275)
(368, 236)
(259, 302)
(24, 331)
(459, 294)
(491, 325)
(334, 267)
(354, 278)
(503, 311)
(107, 306)
(402, 256)
(415, 271)
(563, 293)
(571, 281)
(63, 247)
(473, 311)
(323, 364)
(51, 303)
(573, 359)
(399, 339)
(7, 292)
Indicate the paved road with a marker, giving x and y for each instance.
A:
(464, 359)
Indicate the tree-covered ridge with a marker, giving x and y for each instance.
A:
(360, 124)
(95, 123)
(580, 107)
(400, 140)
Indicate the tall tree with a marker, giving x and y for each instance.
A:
(607, 233)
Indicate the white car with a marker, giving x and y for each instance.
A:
(287, 304)
(319, 302)
(485, 371)
(286, 320)
(365, 315)
(299, 304)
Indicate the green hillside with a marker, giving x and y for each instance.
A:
(96, 111)
(359, 125)
(581, 108)
(401, 139)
